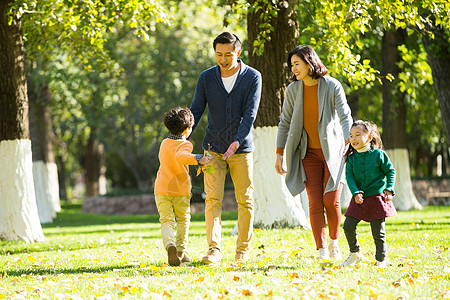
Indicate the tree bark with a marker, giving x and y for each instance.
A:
(274, 205)
(19, 218)
(394, 121)
(438, 56)
(45, 170)
(93, 164)
(394, 105)
(273, 62)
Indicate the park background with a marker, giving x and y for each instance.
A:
(88, 83)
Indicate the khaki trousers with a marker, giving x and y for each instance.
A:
(170, 207)
(241, 171)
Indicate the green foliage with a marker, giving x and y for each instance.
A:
(79, 28)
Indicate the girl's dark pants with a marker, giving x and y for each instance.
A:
(378, 234)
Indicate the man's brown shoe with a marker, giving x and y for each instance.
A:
(213, 257)
(183, 257)
(241, 257)
(172, 256)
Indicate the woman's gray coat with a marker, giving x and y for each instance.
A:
(335, 121)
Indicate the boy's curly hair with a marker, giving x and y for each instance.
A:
(178, 119)
(370, 128)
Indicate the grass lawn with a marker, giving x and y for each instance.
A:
(89, 256)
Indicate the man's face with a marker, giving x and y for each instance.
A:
(227, 57)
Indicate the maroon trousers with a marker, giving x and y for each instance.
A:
(317, 175)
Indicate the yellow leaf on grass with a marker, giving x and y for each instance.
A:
(270, 294)
(125, 289)
(294, 275)
(2, 296)
(201, 279)
(294, 253)
(410, 281)
(167, 294)
(31, 258)
(247, 293)
(236, 278)
(142, 266)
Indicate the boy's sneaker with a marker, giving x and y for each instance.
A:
(183, 257)
(213, 257)
(381, 264)
(353, 259)
(172, 256)
(335, 253)
(241, 257)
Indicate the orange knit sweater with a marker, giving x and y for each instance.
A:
(173, 178)
(310, 116)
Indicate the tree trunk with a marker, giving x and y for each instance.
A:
(19, 219)
(45, 170)
(93, 164)
(274, 205)
(394, 121)
(438, 56)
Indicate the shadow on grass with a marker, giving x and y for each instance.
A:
(72, 216)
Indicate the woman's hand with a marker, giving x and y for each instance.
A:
(279, 165)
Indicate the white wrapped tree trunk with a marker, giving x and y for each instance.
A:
(19, 219)
(274, 205)
(404, 198)
(46, 185)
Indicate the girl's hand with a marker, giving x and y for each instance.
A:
(279, 165)
(359, 198)
(388, 195)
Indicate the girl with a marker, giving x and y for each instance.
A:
(314, 124)
(370, 178)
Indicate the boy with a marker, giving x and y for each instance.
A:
(173, 184)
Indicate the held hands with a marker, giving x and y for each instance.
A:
(231, 150)
(388, 195)
(279, 165)
(204, 160)
(359, 198)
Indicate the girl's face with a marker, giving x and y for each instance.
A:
(299, 68)
(359, 137)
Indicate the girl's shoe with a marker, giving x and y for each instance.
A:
(381, 264)
(353, 259)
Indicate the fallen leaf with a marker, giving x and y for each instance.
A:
(236, 278)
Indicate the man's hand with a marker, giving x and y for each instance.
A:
(231, 150)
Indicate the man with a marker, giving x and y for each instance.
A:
(232, 91)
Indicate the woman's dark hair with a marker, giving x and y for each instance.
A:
(370, 128)
(178, 119)
(227, 38)
(310, 57)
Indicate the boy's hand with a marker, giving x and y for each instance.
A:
(204, 160)
(359, 198)
(388, 195)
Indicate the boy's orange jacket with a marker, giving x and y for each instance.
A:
(173, 178)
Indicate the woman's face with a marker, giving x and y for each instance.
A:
(299, 68)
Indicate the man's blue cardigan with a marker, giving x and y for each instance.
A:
(230, 115)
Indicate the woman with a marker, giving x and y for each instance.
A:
(314, 125)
